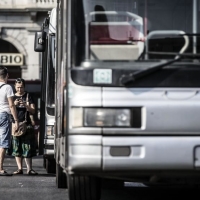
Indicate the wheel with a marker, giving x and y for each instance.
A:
(51, 166)
(61, 177)
(84, 187)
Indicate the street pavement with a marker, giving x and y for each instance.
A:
(25, 187)
(43, 187)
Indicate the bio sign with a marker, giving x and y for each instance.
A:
(14, 59)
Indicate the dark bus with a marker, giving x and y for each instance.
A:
(46, 39)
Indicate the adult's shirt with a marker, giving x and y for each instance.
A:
(21, 110)
(6, 91)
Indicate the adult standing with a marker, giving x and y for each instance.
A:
(7, 107)
(24, 146)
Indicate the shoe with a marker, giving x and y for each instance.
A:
(19, 171)
(32, 172)
(4, 173)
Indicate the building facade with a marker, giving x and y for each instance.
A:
(19, 20)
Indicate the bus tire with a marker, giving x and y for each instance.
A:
(61, 177)
(84, 187)
(50, 166)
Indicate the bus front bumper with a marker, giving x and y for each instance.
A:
(130, 153)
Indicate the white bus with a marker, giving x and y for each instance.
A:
(127, 93)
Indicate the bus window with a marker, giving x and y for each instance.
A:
(115, 33)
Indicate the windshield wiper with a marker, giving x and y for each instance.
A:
(126, 79)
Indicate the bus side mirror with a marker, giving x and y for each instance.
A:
(40, 41)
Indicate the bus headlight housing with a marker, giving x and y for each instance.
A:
(101, 117)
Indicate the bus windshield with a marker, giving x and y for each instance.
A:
(117, 30)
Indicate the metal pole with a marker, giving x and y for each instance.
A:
(194, 26)
(146, 27)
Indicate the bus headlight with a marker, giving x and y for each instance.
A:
(49, 130)
(102, 117)
(106, 117)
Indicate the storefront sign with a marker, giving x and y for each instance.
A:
(13, 59)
